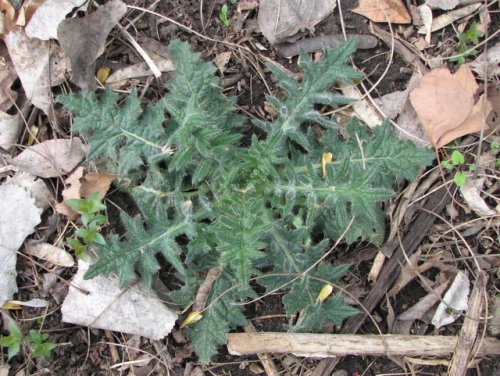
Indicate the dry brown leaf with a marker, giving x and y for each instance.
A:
(84, 39)
(445, 105)
(247, 5)
(449, 17)
(93, 182)
(383, 11)
(39, 65)
(51, 158)
(221, 61)
(49, 252)
(79, 186)
(279, 19)
(71, 191)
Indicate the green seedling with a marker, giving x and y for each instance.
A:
(34, 339)
(223, 15)
(457, 163)
(89, 210)
(466, 41)
(12, 341)
(37, 343)
(494, 147)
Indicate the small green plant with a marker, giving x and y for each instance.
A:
(466, 41)
(495, 147)
(13, 341)
(223, 15)
(37, 343)
(89, 210)
(34, 339)
(457, 163)
(258, 209)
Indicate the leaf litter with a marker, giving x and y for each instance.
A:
(84, 39)
(446, 106)
(279, 19)
(103, 305)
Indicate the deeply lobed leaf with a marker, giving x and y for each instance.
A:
(206, 201)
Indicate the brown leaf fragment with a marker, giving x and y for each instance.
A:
(383, 11)
(247, 5)
(51, 158)
(279, 19)
(94, 182)
(35, 62)
(71, 191)
(202, 295)
(7, 77)
(445, 105)
(221, 60)
(84, 40)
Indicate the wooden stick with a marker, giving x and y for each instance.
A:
(328, 345)
(467, 336)
(268, 364)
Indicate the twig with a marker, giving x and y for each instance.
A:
(332, 41)
(321, 345)
(467, 336)
(141, 51)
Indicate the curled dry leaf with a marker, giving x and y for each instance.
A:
(49, 252)
(120, 77)
(449, 17)
(83, 40)
(445, 105)
(426, 16)
(454, 302)
(383, 11)
(279, 19)
(51, 158)
(205, 288)
(471, 192)
(361, 106)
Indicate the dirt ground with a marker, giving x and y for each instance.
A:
(83, 351)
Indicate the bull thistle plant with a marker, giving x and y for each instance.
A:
(262, 211)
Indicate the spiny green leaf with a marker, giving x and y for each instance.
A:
(140, 250)
(249, 206)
